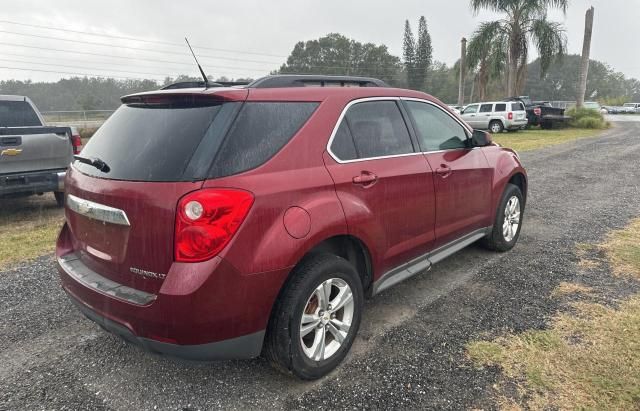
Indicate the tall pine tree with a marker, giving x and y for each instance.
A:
(409, 54)
(423, 53)
(417, 55)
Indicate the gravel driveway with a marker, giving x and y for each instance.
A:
(410, 352)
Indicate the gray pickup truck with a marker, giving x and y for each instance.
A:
(33, 156)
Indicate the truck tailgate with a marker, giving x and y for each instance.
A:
(24, 149)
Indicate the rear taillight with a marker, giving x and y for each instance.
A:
(76, 142)
(537, 111)
(510, 116)
(206, 220)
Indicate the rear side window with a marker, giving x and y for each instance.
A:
(378, 129)
(342, 145)
(501, 108)
(517, 107)
(18, 114)
(148, 143)
(259, 132)
(486, 108)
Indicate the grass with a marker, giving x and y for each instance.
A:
(589, 357)
(28, 228)
(533, 139)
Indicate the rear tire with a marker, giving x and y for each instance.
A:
(506, 229)
(59, 195)
(496, 127)
(309, 348)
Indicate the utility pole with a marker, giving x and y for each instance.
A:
(584, 64)
(463, 58)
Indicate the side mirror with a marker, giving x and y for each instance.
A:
(481, 138)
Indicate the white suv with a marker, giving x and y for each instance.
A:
(496, 116)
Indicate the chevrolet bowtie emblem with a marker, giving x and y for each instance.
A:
(10, 152)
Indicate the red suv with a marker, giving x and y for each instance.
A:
(222, 222)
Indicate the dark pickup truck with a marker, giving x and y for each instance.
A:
(542, 113)
(33, 157)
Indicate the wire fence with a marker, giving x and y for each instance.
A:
(72, 116)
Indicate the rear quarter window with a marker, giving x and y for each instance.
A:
(18, 114)
(259, 132)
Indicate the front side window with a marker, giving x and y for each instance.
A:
(436, 129)
(471, 109)
(378, 129)
(486, 108)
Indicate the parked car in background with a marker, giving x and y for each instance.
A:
(495, 116)
(614, 110)
(542, 113)
(632, 108)
(223, 222)
(456, 108)
(33, 156)
(592, 105)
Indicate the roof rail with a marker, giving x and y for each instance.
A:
(306, 80)
(200, 84)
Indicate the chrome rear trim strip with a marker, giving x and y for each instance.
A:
(97, 211)
(73, 266)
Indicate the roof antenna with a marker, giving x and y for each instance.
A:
(204, 76)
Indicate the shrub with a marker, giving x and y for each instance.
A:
(586, 118)
(589, 122)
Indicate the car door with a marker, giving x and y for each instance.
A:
(462, 176)
(384, 184)
(485, 115)
(470, 115)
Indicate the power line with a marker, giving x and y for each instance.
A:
(182, 63)
(74, 73)
(120, 64)
(88, 68)
(167, 43)
(134, 48)
(98, 54)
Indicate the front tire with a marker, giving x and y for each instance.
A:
(506, 229)
(316, 317)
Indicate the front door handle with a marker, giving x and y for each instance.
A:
(444, 171)
(365, 179)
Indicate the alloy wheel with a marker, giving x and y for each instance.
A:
(326, 319)
(511, 219)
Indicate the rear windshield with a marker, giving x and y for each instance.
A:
(148, 144)
(18, 114)
(141, 143)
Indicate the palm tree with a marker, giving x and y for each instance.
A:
(486, 55)
(525, 22)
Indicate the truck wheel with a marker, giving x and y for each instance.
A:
(59, 195)
(496, 127)
(506, 228)
(546, 125)
(316, 317)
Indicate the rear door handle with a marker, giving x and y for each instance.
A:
(444, 171)
(365, 179)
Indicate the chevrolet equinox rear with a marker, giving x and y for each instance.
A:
(226, 222)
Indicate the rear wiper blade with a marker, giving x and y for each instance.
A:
(94, 161)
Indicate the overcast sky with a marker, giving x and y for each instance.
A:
(258, 34)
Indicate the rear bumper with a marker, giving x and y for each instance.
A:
(516, 124)
(32, 182)
(200, 311)
(246, 346)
